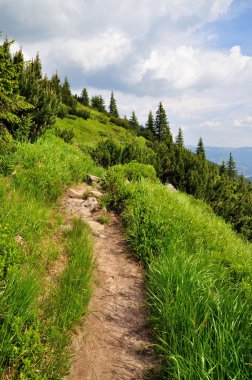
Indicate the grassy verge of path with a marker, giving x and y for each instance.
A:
(35, 321)
(199, 277)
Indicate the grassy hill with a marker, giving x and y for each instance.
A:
(199, 273)
(199, 276)
(95, 129)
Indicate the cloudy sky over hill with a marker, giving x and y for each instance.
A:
(195, 56)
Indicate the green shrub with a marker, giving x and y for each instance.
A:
(65, 134)
(63, 111)
(83, 113)
(107, 153)
(9, 252)
(120, 122)
(118, 176)
(102, 118)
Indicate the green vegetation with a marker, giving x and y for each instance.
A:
(68, 301)
(37, 313)
(96, 129)
(199, 278)
(198, 270)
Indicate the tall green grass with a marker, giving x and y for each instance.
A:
(199, 280)
(30, 348)
(46, 167)
(69, 299)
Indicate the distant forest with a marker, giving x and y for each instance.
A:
(30, 103)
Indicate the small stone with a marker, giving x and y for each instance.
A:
(91, 204)
(93, 178)
(96, 228)
(74, 194)
(170, 187)
(96, 193)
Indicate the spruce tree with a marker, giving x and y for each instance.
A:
(179, 139)
(66, 93)
(98, 103)
(84, 99)
(161, 126)
(150, 123)
(231, 167)
(36, 68)
(223, 168)
(56, 84)
(112, 106)
(133, 121)
(12, 105)
(200, 149)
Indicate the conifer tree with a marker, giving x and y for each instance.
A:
(133, 121)
(179, 139)
(231, 167)
(112, 106)
(66, 93)
(200, 149)
(150, 123)
(56, 84)
(41, 94)
(223, 168)
(84, 99)
(11, 104)
(18, 61)
(161, 126)
(98, 103)
(36, 68)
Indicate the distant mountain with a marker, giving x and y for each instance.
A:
(242, 157)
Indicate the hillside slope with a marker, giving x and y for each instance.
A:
(95, 129)
(199, 277)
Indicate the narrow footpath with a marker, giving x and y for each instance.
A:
(113, 342)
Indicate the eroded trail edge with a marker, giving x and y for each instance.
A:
(113, 342)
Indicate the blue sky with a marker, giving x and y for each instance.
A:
(234, 29)
(194, 56)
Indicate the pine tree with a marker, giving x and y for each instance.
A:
(11, 104)
(84, 99)
(133, 121)
(36, 68)
(112, 106)
(180, 139)
(161, 126)
(223, 168)
(98, 103)
(200, 149)
(150, 123)
(231, 167)
(66, 93)
(56, 84)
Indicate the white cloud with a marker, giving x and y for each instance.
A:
(187, 67)
(146, 51)
(96, 53)
(245, 122)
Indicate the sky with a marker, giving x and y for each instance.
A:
(194, 56)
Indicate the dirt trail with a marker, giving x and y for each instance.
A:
(114, 341)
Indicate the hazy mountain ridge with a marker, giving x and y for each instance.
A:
(242, 157)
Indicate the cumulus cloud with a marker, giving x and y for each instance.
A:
(98, 52)
(244, 122)
(187, 67)
(145, 51)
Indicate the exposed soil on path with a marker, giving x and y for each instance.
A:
(113, 342)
